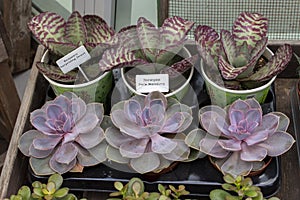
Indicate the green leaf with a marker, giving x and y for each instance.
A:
(228, 178)
(38, 192)
(57, 179)
(51, 187)
(228, 187)
(37, 184)
(75, 29)
(251, 193)
(25, 192)
(218, 194)
(69, 197)
(61, 192)
(118, 185)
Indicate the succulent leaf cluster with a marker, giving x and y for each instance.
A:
(144, 43)
(147, 132)
(61, 37)
(135, 189)
(236, 54)
(67, 136)
(242, 187)
(239, 137)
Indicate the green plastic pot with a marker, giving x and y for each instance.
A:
(96, 90)
(222, 96)
(179, 93)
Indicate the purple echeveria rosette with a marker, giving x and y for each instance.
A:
(67, 136)
(147, 133)
(239, 137)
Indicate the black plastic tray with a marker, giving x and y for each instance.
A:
(199, 177)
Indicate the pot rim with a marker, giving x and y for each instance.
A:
(45, 57)
(168, 94)
(268, 53)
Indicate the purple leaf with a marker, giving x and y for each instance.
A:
(91, 139)
(180, 67)
(249, 28)
(47, 26)
(66, 153)
(253, 153)
(75, 30)
(98, 31)
(61, 168)
(275, 66)
(162, 145)
(46, 143)
(117, 58)
(134, 148)
(278, 143)
(54, 73)
(149, 37)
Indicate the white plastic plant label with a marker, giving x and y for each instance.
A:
(152, 82)
(73, 59)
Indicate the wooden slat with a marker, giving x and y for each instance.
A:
(12, 174)
(289, 163)
(162, 11)
(9, 99)
(16, 14)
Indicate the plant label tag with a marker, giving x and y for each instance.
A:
(152, 82)
(73, 59)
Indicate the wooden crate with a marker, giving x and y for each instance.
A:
(15, 167)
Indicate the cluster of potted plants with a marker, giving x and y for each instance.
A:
(153, 131)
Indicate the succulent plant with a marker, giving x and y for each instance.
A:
(61, 37)
(50, 191)
(236, 55)
(67, 136)
(154, 46)
(147, 133)
(241, 186)
(135, 189)
(239, 137)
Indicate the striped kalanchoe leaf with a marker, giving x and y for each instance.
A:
(147, 132)
(67, 136)
(235, 54)
(239, 137)
(146, 43)
(62, 37)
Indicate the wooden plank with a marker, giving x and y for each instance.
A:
(9, 99)
(162, 11)
(16, 14)
(289, 163)
(12, 174)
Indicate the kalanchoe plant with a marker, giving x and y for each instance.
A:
(135, 189)
(50, 191)
(242, 188)
(67, 136)
(154, 46)
(62, 37)
(239, 137)
(237, 54)
(147, 133)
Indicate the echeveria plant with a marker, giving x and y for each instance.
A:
(155, 46)
(239, 137)
(62, 37)
(147, 132)
(236, 54)
(67, 136)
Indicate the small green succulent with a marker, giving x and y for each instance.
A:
(49, 191)
(243, 187)
(135, 190)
